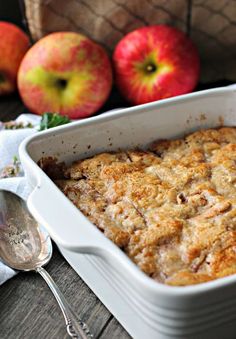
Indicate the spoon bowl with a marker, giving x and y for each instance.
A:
(26, 246)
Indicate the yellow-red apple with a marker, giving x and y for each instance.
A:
(65, 72)
(155, 62)
(13, 45)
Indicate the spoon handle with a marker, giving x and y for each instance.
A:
(76, 328)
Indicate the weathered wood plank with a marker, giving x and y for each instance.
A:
(114, 330)
(29, 310)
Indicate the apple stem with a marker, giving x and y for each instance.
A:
(150, 68)
(62, 83)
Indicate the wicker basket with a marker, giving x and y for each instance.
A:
(210, 23)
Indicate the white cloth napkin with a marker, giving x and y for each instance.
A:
(9, 143)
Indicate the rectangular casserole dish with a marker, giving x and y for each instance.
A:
(144, 307)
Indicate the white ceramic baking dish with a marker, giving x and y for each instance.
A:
(144, 307)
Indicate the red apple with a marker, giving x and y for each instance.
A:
(155, 62)
(13, 45)
(65, 72)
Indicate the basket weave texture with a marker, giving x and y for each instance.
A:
(210, 23)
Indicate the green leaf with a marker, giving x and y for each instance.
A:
(15, 159)
(50, 120)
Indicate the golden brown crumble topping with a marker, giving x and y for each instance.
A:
(172, 209)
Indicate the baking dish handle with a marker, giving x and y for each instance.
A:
(67, 226)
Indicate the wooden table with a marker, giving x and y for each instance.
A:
(27, 307)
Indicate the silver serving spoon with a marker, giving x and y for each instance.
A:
(26, 246)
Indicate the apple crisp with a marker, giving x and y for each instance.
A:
(172, 208)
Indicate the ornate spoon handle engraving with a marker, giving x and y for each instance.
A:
(76, 328)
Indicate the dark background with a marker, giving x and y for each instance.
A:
(10, 11)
